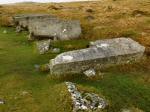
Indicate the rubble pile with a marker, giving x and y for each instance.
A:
(85, 101)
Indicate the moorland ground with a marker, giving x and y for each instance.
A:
(26, 90)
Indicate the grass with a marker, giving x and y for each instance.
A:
(26, 90)
(44, 94)
(111, 18)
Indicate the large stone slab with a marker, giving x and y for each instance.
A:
(102, 53)
(56, 29)
(23, 20)
(48, 26)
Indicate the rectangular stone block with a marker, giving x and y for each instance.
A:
(102, 53)
(41, 26)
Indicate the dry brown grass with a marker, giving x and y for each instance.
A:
(107, 18)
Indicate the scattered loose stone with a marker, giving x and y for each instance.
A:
(85, 101)
(2, 102)
(90, 73)
(43, 46)
(55, 50)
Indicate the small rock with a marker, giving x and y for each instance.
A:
(56, 50)
(23, 93)
(84, 107)
(2, 101)
(37, 67)
(90, 73)
(43, 46)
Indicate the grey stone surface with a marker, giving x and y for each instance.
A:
(24, 20)
(56, 28)
(43, 46)
(48, 26)
(90, 73)
(83, 100)
(102, 53)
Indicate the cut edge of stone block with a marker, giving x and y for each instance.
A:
(104, 53)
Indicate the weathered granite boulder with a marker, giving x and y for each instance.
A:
(47, 26)
(102, 53)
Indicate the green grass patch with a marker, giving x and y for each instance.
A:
(44, 94)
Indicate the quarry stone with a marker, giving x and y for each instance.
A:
(48, 26)
(101, 54)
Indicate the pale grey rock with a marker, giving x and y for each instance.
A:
(24, 20)
(90, 73)
(101, 54)
(55, 28)
(43, 46)
(48, 26)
